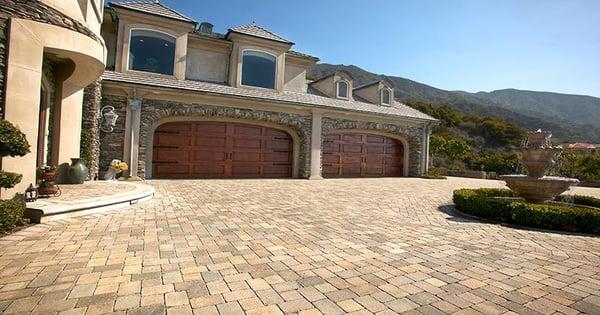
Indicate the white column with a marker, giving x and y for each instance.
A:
(315, 146)
(425, 149)
(132, 135)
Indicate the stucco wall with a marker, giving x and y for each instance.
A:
(295, 78)
(205, 65)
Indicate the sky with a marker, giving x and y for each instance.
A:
(468, 45)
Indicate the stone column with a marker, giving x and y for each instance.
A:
(315, 145)
(132, 135)
(90, 124)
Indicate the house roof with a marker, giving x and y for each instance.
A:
(260, 32)
(302, 55)
(154, 8)
(304, 99)
(373, 83)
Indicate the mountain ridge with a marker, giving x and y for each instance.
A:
(528, 109)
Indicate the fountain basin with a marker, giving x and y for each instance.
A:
(538, 189)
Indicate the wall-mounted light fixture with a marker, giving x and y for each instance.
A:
(108, 118)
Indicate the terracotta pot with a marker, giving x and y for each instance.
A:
(48, 191)
(49, 175)
(78, 172)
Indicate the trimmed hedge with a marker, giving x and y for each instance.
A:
(579, 200)
(481, 203)
(11, 214)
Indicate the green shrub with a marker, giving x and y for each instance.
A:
(481, 203)
(557, 217)
(9, 180)
(12, 140)
(11, 214)
(579, 200)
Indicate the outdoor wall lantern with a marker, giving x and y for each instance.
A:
(31, 194)
(108, 118)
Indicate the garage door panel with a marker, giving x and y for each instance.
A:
(245, 170)
(171, 169)
(246, 156)
(276, 157)
(175, 127)
(278, 145)
(209, 128)
(170, 139)
(351, 148)
(210, 141)
(361, 154)
(171, 155)
(209, 170)
(205, 155)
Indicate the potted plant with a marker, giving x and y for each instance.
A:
(116, 167)
(47, 185)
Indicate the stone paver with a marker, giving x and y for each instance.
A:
(356, 246)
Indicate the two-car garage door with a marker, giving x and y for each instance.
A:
(235, 150)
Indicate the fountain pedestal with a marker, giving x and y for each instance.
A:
(537, 155)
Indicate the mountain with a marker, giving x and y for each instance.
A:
(528, 109)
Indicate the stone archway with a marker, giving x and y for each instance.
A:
(410, 137)
(156, 112)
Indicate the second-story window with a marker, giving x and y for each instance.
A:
(386, 96)
(151, 51)
(342, 89)
(258, 69)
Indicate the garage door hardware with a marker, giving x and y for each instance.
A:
(167, 146)
(281, 164)
(167, 132)
(165, 162)
(282, 151)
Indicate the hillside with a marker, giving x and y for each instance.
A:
(524, 108)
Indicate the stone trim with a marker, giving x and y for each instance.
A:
(37, 11)
(412, 135)
(153, 111)
(92, 96)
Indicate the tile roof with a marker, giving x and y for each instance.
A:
(257, 31)
(152, 7)
(304, 99)
(303, 55)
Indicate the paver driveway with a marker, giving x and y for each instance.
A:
(270, 246)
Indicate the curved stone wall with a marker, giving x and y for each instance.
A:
(154, 110)
(412, 134)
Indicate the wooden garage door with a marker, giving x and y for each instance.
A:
(220, 150)
(362, 155)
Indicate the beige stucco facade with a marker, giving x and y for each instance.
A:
(80, 59)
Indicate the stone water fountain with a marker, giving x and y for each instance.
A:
(537, 155)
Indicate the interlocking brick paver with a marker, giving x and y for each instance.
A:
(354, 246)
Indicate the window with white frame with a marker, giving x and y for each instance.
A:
(342, 89)
(386, 96)
(151, 51)
(258, 69)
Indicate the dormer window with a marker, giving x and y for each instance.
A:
(386, 96)
(342, 89)
(258, 69)
(151, 51)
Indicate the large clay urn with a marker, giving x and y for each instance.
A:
(77, 171)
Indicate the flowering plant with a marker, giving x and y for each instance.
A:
(47, 168)
(118, 165)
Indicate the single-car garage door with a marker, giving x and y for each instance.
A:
(220, 150)
(362, 155)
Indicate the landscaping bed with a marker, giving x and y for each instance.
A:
(484, 203)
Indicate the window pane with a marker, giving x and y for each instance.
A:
(342, 89)
(152, 52)
(385, 96)
(258, 69)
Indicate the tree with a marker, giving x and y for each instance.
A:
(12, 143)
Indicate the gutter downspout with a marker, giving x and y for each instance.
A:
(425, 148)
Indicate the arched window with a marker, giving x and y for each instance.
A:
(342, 89)
(386, 96)
(258, 69)
(151, 52)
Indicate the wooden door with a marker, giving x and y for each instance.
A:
(221, 150)
(362, 155)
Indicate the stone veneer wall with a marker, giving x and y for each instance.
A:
(35, 11)
(155, 110)
(92, 96)
(111, 143)
(412, 134)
